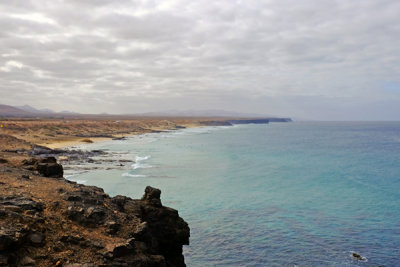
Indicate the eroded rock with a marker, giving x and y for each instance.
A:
(58, 232)
(50, 170)
(152, 196)
(47, 167)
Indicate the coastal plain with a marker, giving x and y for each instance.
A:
(56, 133)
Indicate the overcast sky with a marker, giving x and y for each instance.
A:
(312, 59)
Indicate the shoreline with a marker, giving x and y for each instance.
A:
(64, 144)
(49, 220)
(61, 133)
(76, 141)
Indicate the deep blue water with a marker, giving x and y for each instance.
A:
(282, 194)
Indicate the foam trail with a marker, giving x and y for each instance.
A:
(138, 162)
(132, 175)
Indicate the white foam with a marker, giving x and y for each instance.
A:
(127, 174)
(138, 158)
(138, 163)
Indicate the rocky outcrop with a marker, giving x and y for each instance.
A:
(47, 167)
(161, 235)
(23, 229)
(60, 223)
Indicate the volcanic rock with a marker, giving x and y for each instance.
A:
(55, 222)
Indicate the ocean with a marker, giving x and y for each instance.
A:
(278, 194)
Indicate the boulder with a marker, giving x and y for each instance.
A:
(47, 167)
(50, 170)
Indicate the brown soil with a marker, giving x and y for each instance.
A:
(68, 131)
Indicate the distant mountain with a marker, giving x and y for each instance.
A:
(68, 112)
(27, 108)
(10, 111)
(34, 110)
(29, 111)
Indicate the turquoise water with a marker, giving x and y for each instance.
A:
(282, 194)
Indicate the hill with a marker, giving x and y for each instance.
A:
(10, 111)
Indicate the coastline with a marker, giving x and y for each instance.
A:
(48, 220)
(60, 133)
(61, 144)
(61, 217)
(75, 141)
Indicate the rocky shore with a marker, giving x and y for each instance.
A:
(46, 220)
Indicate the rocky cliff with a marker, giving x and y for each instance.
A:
(46, 220)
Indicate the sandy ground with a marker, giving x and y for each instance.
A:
(60, 133)
(55, 144)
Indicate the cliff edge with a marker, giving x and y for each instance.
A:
(46, 220)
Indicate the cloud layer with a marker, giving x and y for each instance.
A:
(315, 59)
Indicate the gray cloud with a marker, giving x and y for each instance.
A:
(311, 59)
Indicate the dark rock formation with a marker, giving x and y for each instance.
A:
(119, 138)
(95, 229)
(167, 231)
(24, 232)
(358, 257)
(47, 167)
(43, 152)
(152, 196)
(79, 159)
(50, 169)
